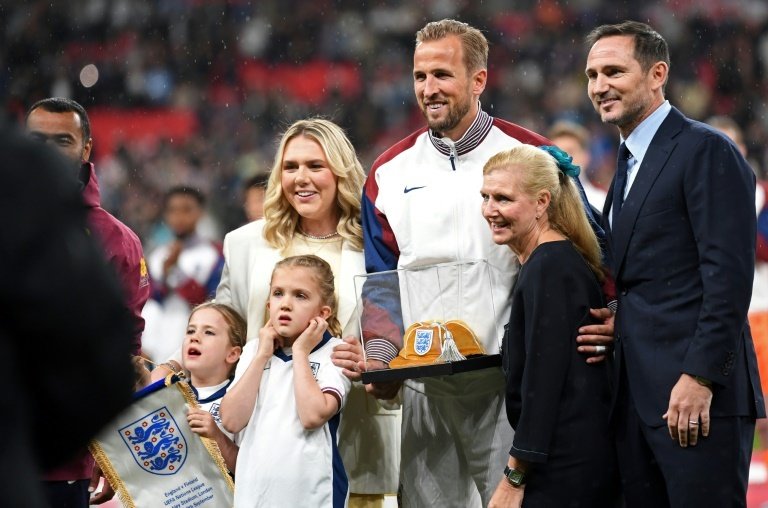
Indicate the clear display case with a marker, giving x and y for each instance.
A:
(439, 319)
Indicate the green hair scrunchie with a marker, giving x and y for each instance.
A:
(563, 160)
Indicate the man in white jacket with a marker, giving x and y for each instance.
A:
(421, 206)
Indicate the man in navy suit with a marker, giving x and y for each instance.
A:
(682, 238)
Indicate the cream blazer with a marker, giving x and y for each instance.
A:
(369, 438)
(249, 261)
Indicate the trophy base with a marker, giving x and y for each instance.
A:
(435, 369)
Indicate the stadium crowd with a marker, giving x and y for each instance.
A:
(233, 73)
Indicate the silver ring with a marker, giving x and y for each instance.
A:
(599, 350)
(693, 422)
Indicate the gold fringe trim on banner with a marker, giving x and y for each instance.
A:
(111, 475)
(210, 444)
(169, 379)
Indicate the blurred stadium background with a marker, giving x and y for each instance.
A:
(195, 92)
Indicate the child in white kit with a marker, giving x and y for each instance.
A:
(212, 345)
(287, 403)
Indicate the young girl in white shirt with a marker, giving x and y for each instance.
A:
(212, 345)
(287, 402)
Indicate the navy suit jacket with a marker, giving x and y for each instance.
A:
(683, 250)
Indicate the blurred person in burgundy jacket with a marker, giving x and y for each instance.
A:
(65, 332)
(64, 123)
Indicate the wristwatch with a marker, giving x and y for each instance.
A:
(515, 477)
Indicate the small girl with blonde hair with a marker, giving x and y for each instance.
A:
(289, 398)
(212, 345)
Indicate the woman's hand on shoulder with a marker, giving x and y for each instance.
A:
(347, 357)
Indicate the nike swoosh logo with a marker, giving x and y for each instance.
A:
(407, 190)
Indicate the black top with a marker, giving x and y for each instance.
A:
(556, 402)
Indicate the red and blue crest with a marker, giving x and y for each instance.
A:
(156, 442)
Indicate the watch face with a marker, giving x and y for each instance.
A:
(514, 476)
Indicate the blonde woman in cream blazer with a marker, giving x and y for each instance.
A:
(312, 206)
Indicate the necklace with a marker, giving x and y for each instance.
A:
(318, 237)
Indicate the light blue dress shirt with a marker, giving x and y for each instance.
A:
(638, 142)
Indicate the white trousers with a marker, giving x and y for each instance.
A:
(455, 439)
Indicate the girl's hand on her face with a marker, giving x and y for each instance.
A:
(269, 341)
(310, 337)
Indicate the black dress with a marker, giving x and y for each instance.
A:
(556, 402)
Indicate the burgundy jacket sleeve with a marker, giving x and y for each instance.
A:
(135, 281)
(126, 256)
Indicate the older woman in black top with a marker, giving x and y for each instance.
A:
(562, 454)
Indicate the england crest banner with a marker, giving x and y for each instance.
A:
(153, 459)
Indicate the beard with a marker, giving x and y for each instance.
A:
(632, 112)
(455, 115)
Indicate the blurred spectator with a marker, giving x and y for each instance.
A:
(184, 273)
(253, 197)
(65, 334)
(574, 139)
(730, 128)
(758, 305)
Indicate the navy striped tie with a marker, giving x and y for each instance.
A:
(621, 180)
